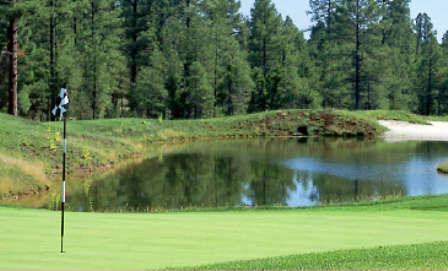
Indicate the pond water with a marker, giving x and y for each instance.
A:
(267, 171)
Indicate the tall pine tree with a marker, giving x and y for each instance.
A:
(429, 57)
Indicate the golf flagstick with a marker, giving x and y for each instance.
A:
(61, 109)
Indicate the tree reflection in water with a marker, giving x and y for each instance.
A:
(254, 172)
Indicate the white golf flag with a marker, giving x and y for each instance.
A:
(63, 102)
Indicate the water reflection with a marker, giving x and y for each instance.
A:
(281, 172)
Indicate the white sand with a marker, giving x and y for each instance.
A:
(401, 131)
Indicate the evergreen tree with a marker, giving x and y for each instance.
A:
(399, 38)
(423, 29)
(46, 41)
(235, 84)
(428, 64)
(102, 61)
(289, 89)
(62, 53)
(4, 56)
(310, 95)
(19, 17)
(443, 80)
(323, 11)
(326, 65)
(136, 14)
(11, 15)
(231, 76)
(172, 41)
(360, 32)
(200, 92)
(265, 54)
(150, 93)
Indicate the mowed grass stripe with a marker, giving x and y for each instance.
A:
(30, 239)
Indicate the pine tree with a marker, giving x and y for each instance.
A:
(326, 63)
(264, 54)
(200, 98)
(429, 56)
(47, 41)
(187, 41)
(137, 16)
(443, 80)
(17, 17)
(4, 55)
(235, 84)
(323, 11)
(286, 83)
(11, 15)
(102, 62)
(401, 57)
(172, 36)
(231, 76)
(360, 32)
(150, 93)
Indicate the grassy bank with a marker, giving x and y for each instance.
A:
(393, 115)
(340, 235)
(30, 152)
(443, 167)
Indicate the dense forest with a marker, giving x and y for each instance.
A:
(181, 59)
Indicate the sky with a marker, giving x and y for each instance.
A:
(296, 9)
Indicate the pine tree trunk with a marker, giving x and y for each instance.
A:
(188, 17)
(52, 56)
(357, 60)
(12, 48)
(215, 73)
(134, 41)
(94, 113)
(429, 89)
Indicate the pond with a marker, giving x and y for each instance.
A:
(266, 171)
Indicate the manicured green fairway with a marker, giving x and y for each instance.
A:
(30, 239)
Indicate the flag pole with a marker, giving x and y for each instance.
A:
(63, 184)
(61, 107)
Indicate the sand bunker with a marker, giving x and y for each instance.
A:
(400, 131)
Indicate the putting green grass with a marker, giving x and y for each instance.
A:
(30, 239)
